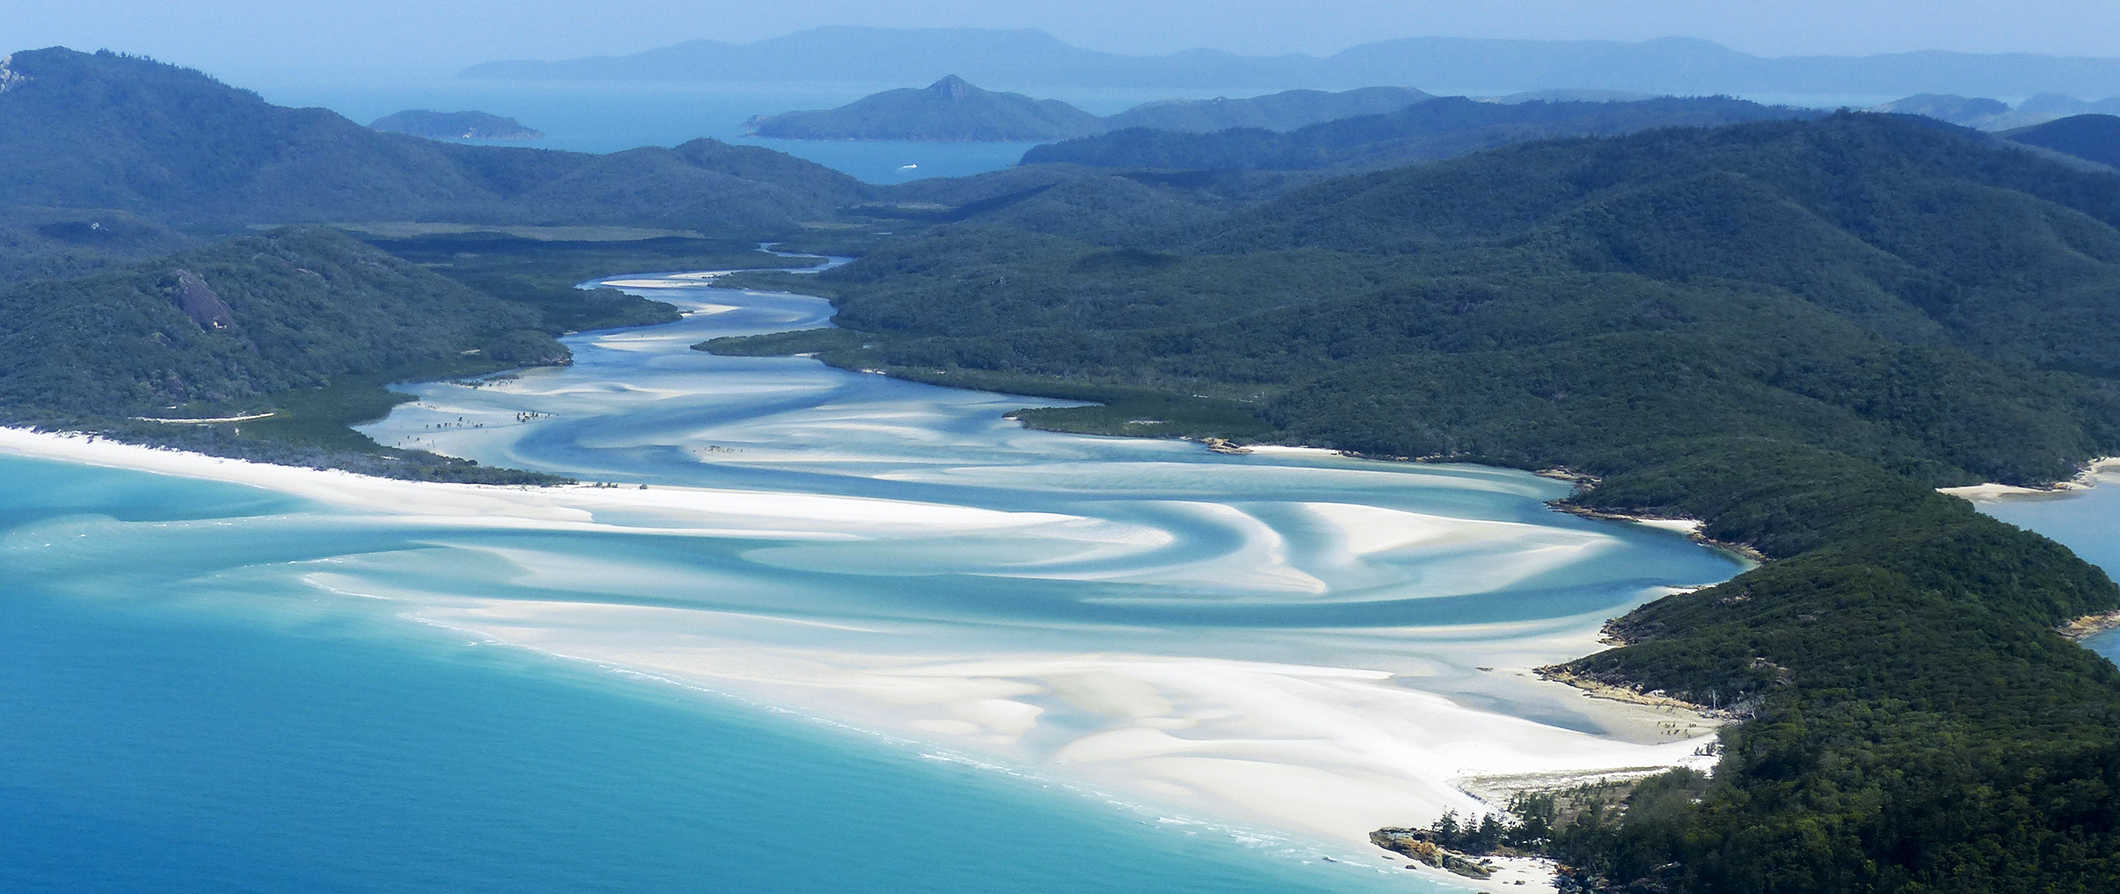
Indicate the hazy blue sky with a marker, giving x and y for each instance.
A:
(258, 36)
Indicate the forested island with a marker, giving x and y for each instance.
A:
(454, 125)
(1791, 327)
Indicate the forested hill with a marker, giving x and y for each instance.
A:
(2090, 137)
(1438, 128)
(1792, 330)
(1853, 239)
(106, 131)
(241, 319)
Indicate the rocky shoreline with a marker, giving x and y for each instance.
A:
(2088, 626)
(1690, 527)
(1420, 845)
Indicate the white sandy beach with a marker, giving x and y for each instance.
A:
(2105, 468)
(1323, 752)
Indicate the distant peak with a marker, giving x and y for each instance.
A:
(953, 87)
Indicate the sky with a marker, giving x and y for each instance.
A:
(422, 37)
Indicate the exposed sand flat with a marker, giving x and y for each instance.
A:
(709, 512)
(1332, 751)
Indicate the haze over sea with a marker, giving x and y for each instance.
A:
(199, 700)
(614, 116)
(606, 116)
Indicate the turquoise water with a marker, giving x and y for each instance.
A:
(195, 701)
(2087, 522)
(166, 728)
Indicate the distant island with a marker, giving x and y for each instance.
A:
(953, 110)
(949, 110)
(1031, 58)
(454, 126)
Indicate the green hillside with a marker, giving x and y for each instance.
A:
(304, 324)
(122, 179)
(2090, 137)
(105, 131)
(1791, 330)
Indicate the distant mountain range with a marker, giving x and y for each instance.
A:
(1030, 58)
(454, 125)
(952, 109)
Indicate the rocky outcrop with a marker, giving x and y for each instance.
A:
(2089, 626)
(197, 300)
(1420, 845)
